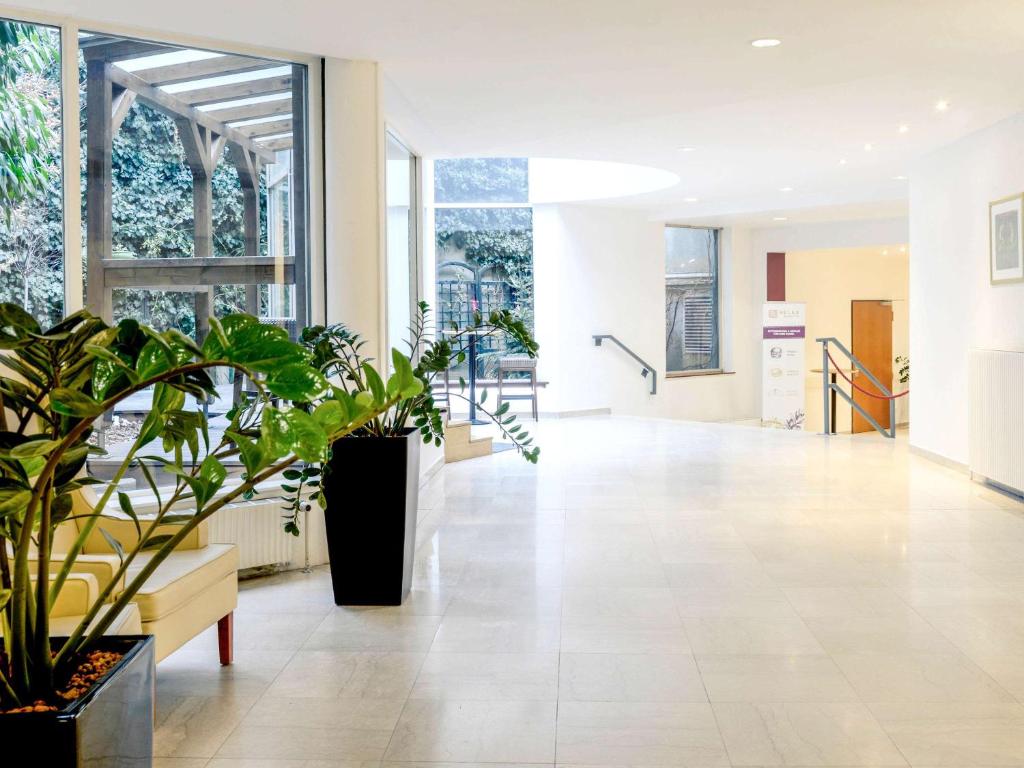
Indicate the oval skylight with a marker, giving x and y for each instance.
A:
(555, 180)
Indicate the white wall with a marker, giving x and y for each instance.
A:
(355, 170)
(354, 201)
(601, 270)
(953, 305)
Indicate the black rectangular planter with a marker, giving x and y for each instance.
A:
(371, 488)
(111, 726)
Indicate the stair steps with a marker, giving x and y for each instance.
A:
(459, 443)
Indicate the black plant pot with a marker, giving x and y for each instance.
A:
(371, 489)
(111, 726)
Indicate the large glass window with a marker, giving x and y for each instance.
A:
(31, 186)
(402, 235)
(691, 299)
(484, 249)
(194, 186)
(482, 180)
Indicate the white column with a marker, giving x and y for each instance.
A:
(354, 199)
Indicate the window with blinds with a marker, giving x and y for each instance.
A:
(691, 299)
(698, 325)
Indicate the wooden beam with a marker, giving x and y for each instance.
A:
(198, 143)
(170, 105)
(172, 74)
(268, 128)
(122, 103)
(275, 144)
(122, 50)
(251, 111)
(186, 274)
(248, 167)
(202, 301)
(215, 94)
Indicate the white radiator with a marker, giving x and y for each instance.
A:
(255, 526)
(996, 416)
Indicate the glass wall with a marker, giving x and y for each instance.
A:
(193, 185)
(31, 185)
(484, 248)
(402, 234)
(194, 178)
(691, 299)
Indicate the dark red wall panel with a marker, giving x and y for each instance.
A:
(776, 277)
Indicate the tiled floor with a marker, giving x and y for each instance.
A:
(652, 594)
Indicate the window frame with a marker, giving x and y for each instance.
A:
(69, 27)
(717, 292)
(416, 216)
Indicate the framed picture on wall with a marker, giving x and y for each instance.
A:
(1006, 242)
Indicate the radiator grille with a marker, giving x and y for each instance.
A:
(996, 416)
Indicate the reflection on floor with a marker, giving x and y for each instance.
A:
(654, 593)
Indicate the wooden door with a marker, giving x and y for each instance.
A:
(871, 343)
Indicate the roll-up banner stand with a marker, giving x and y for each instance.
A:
(783, 375)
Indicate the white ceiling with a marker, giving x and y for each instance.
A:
(634, 82)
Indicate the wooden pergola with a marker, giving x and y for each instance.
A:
(213, 120)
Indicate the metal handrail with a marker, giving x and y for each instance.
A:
(828, 386)
(645, 367)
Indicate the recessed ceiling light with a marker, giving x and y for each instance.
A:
(842, 161)
(868, 147)
(690, 199)
(687, 149)
(899, 178)
(785, 189)
(766, 42)
(941, 105)
(778, 218)
(904, 128)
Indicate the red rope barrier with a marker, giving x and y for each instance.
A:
(861, 389)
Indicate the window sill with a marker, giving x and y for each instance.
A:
(691, 374)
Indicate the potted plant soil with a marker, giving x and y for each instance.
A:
(87, 698)
(371, 525)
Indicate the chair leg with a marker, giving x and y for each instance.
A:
(226, 638)
(533, 389)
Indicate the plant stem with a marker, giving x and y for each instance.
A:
(75, 643)
(42, 664)
(79, 430)
(8, 697)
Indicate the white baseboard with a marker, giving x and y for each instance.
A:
(575, 414)
(938, 458)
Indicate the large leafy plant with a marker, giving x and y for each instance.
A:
(337, 354)
(61, 381)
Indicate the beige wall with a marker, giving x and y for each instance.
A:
(828, 280)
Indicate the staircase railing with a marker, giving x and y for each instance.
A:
(645, 367)
(829, 386)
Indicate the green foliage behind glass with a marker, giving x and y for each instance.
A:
(482, 180)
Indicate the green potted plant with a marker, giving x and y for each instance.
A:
(371, 551)
(87, 698)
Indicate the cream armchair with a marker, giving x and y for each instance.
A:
(195, 587)
(79, 592)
